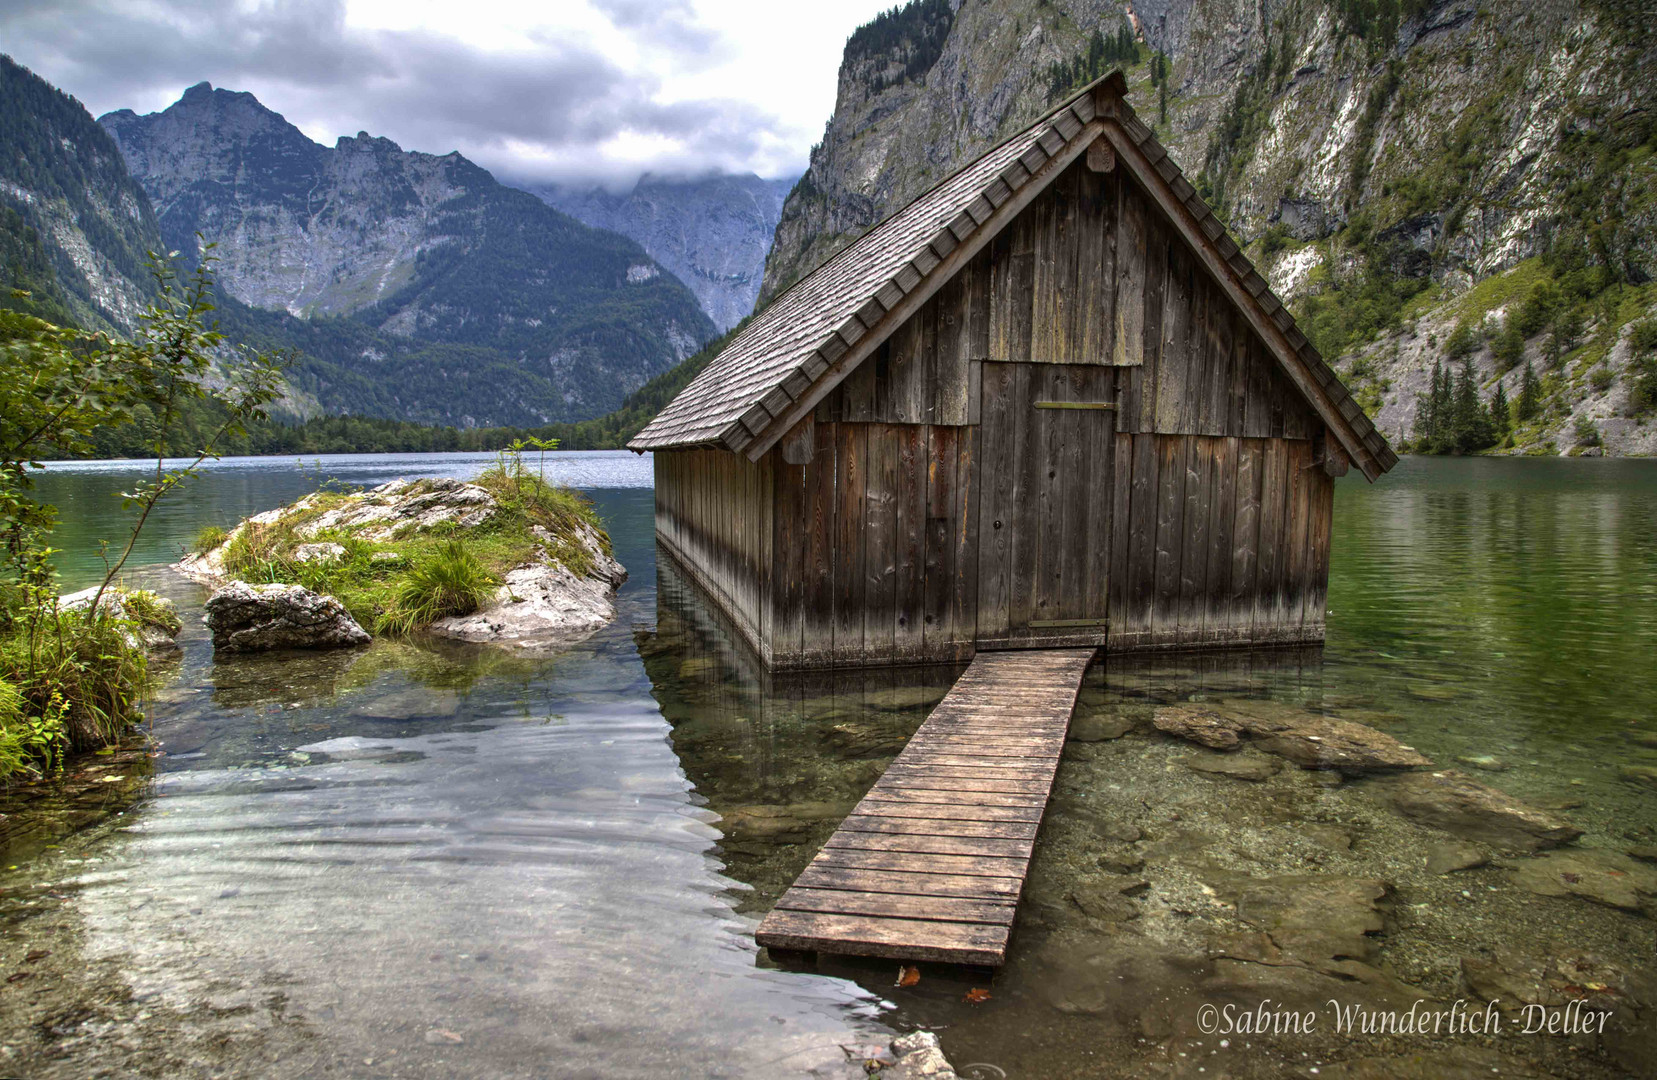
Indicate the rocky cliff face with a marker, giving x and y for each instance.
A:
(76, 227)
(1384, 161)
(711, 233)
(428, 254)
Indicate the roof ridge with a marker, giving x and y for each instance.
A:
(773, 363)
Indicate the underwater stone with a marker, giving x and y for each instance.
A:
(1457, 803)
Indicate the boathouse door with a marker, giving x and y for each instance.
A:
(1046, 474)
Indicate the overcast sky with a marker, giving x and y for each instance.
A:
(556, 89)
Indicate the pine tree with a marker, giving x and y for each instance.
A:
(1501, 418)
(1469, 421)
(1530, 395)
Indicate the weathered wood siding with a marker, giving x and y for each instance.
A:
(951, 502)
(875, 543)
(713, 513)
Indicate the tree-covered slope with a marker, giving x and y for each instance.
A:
(74, 226)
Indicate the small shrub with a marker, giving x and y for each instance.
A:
(1507, 348)
(1643, 338)
(1463, 341)
(209, 538)
(1600, 379)
(149, 609)
(1586, 433)
(450, 581)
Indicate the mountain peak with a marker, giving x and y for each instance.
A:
(199, 92)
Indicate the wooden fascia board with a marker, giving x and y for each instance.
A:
(912, 302)
(1129, 153)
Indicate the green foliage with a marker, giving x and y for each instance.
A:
(70, 168)
(1464, 340)
(1585, 432)
(77, 673)
(1451, 419)
(448, 581)
(1529, 404)
(1600, 379)
(1102, 54)
(394, 585)
(1507, 347)
(1642, 367)
(210, 537)
(148, 609)
(1353, 311)
(913, 34)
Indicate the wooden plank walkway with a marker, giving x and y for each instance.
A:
(929, 866)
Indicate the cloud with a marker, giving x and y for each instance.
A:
(597, 96)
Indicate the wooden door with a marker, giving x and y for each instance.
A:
(1046, 476)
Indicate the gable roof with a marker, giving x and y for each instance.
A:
(812, 336)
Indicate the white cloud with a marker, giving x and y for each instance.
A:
(586, 89)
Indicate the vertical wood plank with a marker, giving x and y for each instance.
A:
(949, 378)
(1171, 474)
(787, 566)
(1120, 525)
(910, 577)
(1128, 308)
(1193, 584)
(938, 622)
(969, 485)
(1245, 534)
(1142, 549)
(1025, 512)
(1217, 618)
(1274, 492)
(880, 542)
(851, 455)
(1000, 465)
(817, 618)
(1173, 367)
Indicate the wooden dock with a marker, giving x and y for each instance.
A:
(929, 866)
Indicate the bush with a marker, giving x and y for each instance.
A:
(209, 538)
(1600, 379)
(1507, 348)
(1586, 432)
(1463, 341)
(450, 581)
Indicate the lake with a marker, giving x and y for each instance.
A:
(424, 860)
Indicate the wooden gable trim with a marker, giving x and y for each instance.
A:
(755, 440)
(1244, 293)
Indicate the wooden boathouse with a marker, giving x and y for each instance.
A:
(1047, 404)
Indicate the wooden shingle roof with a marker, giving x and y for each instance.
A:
(812, 336)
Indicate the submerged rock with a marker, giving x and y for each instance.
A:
(1448, 858)
(256, 618)
(1200, 725)
(1316, 918)
(918, 1057)
(1238, 767)
(1458, 804)
(1604, 877)
(1639, 774)
(1310, 740)
(1100, 726)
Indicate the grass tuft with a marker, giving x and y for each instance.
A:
(449, 581)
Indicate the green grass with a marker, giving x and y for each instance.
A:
(436, 572)
(69, 680)
(209, 538)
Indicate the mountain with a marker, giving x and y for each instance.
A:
(74, 226)
(433, 292)
(1406, 172)
(712, 233)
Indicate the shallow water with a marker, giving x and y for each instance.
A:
(416, 860)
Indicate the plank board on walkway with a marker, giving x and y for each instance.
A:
(930, 865)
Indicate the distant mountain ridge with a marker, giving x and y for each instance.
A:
(712, 232)
(451, 297)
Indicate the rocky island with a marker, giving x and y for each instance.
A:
(505, 559)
